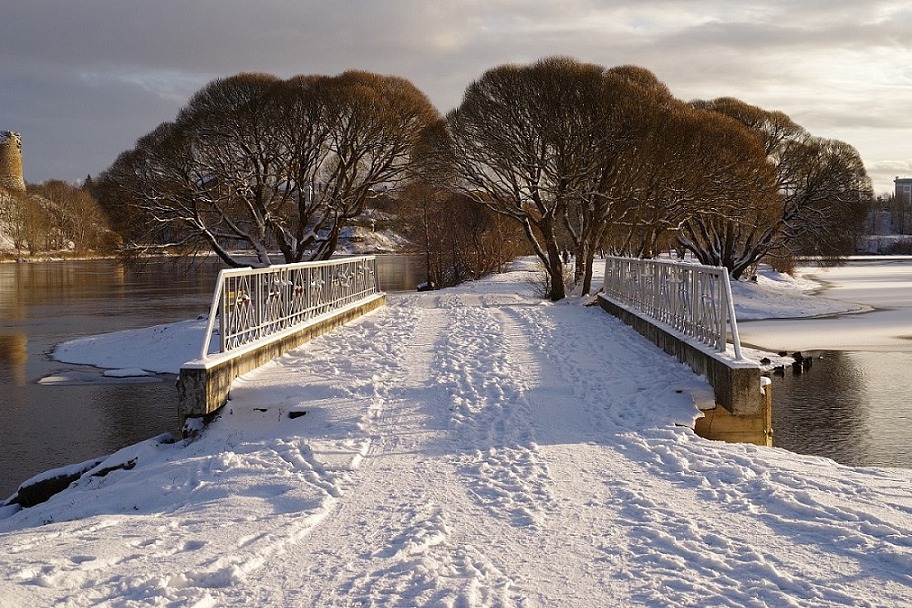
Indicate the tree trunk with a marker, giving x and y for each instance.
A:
(557, 290)
(587, 276)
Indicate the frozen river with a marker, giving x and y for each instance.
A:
(883, 291)
(855, 404)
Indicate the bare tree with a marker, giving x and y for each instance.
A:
(375, 123)
(625, 115)
(260, 163)
(459, 238)
(76, 218)
(16, 213)
(822, 186)
(523, 142)
(825, 200)
(730, 201)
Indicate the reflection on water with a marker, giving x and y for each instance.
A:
(45, 303)
(13, 356)
(853, 407)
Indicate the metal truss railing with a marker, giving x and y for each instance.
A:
(251, 304)
(692, 299)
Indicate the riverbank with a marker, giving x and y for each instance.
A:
(472, 446)
(7, 257)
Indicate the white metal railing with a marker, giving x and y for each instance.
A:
(254, 303)
(693, 299)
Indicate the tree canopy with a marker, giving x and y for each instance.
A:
(821, 189)
(257, 163)
(587, 158)
(582, 158)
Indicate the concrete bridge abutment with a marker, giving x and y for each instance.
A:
(203, 385)
(742, 408)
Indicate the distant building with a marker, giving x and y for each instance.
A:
(903, 190)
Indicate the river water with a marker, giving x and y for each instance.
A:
(851, 406)
(45, 303)
(854, 405)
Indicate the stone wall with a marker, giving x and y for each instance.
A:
(11, 161)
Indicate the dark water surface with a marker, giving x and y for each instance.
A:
(45, 303)
(855, 404)
(853, 407)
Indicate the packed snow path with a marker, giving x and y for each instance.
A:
(469, 447)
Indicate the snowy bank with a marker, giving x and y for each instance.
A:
(878, 287)
(471, 447)
(159, 349)
(775, 295)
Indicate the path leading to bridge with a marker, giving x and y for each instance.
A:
(468, 447)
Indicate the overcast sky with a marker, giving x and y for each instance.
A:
(82, 80)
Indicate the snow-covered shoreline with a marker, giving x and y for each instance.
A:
(472, 446)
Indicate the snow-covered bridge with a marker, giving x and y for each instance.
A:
(262, 313)
(466, 447)
(688, 311)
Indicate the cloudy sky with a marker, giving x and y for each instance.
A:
(83, 79)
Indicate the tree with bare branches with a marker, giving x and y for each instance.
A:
(823, 190)
(623, 114)
(530, 142)
(257, 163)
(729, 199)
(76, 219)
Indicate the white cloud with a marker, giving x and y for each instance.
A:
(170, 85)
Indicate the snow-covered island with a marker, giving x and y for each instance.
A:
(465, 447)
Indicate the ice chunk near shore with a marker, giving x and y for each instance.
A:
(130, 372)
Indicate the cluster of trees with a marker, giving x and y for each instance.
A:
(569, 155)
(55, 216)
(459, 238)
(608, 159)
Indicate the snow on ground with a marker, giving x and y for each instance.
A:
(778, 295)
(465, 447)
(361, 240)
(160, 349)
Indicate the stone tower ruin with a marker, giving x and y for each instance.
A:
(11, 161)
